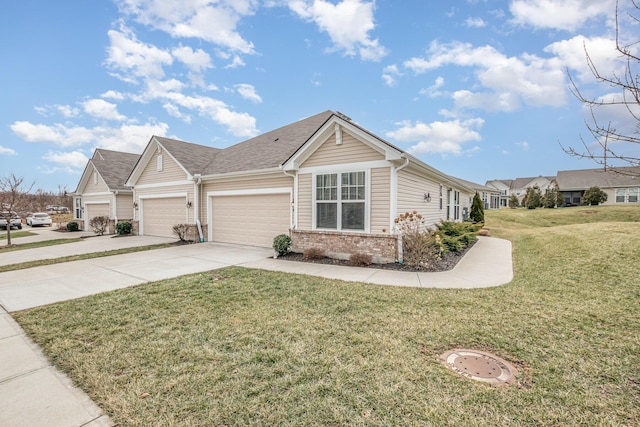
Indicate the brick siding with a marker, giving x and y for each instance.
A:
(383, 248)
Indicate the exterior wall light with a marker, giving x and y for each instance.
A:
(427, 197)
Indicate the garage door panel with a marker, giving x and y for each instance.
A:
(98, 209)
(159, 215)
(250, 220)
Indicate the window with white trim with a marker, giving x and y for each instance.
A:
(626, 195)
(340, 201)
(78, 208)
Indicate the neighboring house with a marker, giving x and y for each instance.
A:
(101, 190)
(490, 195)
(621, 188)
(324, 180)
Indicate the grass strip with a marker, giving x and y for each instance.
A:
(39, 263)
(42, 244)
(16, 234)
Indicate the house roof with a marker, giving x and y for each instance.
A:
(268, 150)
(478, 187)
(193, 157)
(113, 166)
(585, 178)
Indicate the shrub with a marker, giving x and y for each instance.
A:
(99, 224)
(419, 245)
(477, 209)
(123, 227)
(456, 236)
(73, 226)
(360, 259)
(513, 201)
(594, 196)
(282, 244)
(313, 253)
(181, 230)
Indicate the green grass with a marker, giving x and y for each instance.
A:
(249, 347)
(16, 234)
(32, 245)
(90, 255)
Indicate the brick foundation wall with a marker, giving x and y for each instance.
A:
(383, 248)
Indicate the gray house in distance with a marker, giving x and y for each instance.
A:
(621, 187)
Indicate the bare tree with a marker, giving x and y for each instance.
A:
(11, 195)
(609, 141)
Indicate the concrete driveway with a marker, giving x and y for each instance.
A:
(22, 289)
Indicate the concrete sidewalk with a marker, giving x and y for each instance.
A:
(33, 393)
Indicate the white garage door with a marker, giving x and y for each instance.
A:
(160, 215)
(97, 209)
(250, 220)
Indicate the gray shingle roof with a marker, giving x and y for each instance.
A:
(475, 186)
(193, 157)
(268, 150)
(114, 167)
(585, 178)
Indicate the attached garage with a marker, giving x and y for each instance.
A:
(159, 215)
(249, 219)
(97, 209)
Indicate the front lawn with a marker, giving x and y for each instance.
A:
(249, 347)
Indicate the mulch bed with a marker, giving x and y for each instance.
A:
(448, 261)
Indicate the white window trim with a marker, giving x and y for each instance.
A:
(367, 198)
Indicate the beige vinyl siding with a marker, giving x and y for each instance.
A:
(351, 151)
(305, 201)
(100, 187)
(169, 189)
(411, 190)
(380, 199)
(171, 171)
(124, 206)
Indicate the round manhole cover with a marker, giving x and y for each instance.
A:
(480, 366)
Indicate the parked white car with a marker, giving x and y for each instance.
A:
(15, 221)
(39, 218)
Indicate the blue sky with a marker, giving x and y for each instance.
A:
(477, 89)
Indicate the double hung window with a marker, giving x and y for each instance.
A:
(340, 201)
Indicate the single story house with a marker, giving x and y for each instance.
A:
(621, 185)
(324, 180)
(101, 190)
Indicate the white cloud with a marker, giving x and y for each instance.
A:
(130, 138)
(133, 59)
(7, 151)
(524, 145)
(65, 110)
(174, 111)
(112, 94)
(73, 159)
(510, 81)
(102, 109)
(433, 91)
(602, 51)
(559, 14)
(475, 22)
(347, 23)
(197, 61)
(247, 91)
(390, 73)
(438, 137)
(213, 21)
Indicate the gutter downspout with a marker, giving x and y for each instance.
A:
(394, 206)
(196, 195)
(294, 204)
(115, 211)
